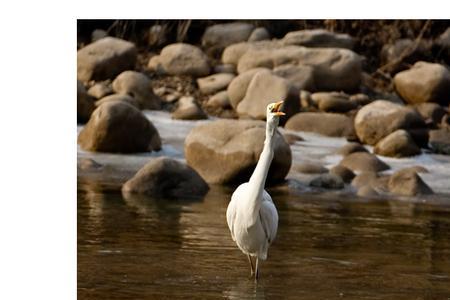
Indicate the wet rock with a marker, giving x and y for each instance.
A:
(85, 103)
(408, 183)
(87, 164)
(346, 174)
(310, 168)
(100, 90)
(118, 97)
(259, 34)
(328, 181)
(225, 68)
(219, 100)
(105, 58)
(188, 109)
(329, 124)
(292, 138)
(380, 118)
(226, 151)
(238, 86)
(351, 148)
(430, 112)
(214, 83)
(138, 86)
(424, 82)
(366, 191)
(397, 144)
(116, 126)
(319, 38)
(180, 59)
(333, 102)
(440, 141)
(363, 162)
(98, 34)
(364, 179)
(222, 35)
(299, 77)
(166, 177)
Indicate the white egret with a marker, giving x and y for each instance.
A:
(251, 215)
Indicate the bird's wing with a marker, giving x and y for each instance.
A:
(231, 213)
(269, 217)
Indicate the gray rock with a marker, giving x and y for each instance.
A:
(259, 34)
(319, 38)
(363, 162)
(138, 86)
(105, 58)
(222, 35)
(168, 178)
(180, 59)
(329, 124)
(226, 151)
(328, 181)
(397, 144)
(408, 183)
(188, 109)
(214, 83)
(98, 34)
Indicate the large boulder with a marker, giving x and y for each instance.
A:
(138, 86)
(227, 151)
(299, 77)
(380, 118)
(221, 35)
(319, 38)
(166, 177)
(85, 103)
(214, 83)
(408, 183)
(233, 53)
(219, 100)
(117, 126)
(440, 141)
(105, 59)
(238, 86)
(333, 102)
(363, 162)
(188, 109)
(397, 144)
(424, 82)
(263, 89)
(328, 124)
(430, 112)
(180, 59)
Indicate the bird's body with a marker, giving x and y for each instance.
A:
(251, 215)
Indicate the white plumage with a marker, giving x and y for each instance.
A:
(251, 215)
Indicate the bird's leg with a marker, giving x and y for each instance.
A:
(252, 272)
(256, 270)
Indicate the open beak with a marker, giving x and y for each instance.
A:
(277, 108)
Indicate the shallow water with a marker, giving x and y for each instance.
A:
(326, 248)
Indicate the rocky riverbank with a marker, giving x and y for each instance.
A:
(340, 132)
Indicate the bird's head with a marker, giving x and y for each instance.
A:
(274, 111)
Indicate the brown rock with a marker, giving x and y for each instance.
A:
(100, 90)
(440, 141)
(299, 77)
(363, 162)
(214, 83)
(350, 148)
(366, 191)
(222, 35)
(118, 97)
(328, 181)
(397, 144)
(238, 86)
(328, 124)
(333, 102)
(345, 173)
(310, 168)
(259, 34)
(431, 112)
(85, 103)
(407, 183)
(319, 38)
(188, 109)
(219, 100)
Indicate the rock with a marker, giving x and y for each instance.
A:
(345, 173)
(222, 35)
(407, 183)
(443, 42)
(180, 59)
(292, 138)
(334, 69)
(319, 38)
(100, 90)
(329, 124)
(259, 34)
(445, 122)
(351, 148)
(138, 86)
(116, 126)
(233, 53)
(366, 191)
(390, 53)
(219, 100)
(364, 179)
(98, 34)
(380, 118)
(85, 103)
(238, 86)
(440, 141)
(328, 181)
(225, 68)
(157, 35)
(397, 144)
(363, 162)
(227, 151)
(305, 100)
(166, 177)
(431, 112)
(214, 83)
(105, 58)
(310, 168)
(263, 89)
(299, 77)
(333, 102)
(416, 169)
(188, 109)
(118, 97)
(424, 82)
(420, 136)
(87, 164)
(360, 99)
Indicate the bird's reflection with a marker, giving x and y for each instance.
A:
(246, 289)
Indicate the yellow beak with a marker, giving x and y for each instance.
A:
(277, 108)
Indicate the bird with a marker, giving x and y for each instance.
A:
(251, 214)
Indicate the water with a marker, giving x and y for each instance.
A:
(326, 248)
